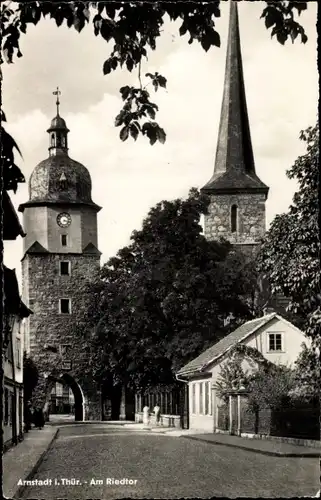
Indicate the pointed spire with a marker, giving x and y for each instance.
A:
(234, 168)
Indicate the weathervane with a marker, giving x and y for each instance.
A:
(57, 93)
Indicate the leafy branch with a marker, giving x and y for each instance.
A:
(137, 106)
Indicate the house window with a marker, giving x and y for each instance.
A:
(193, 399)
(208, 406)
(201, 398)
(18, 353)
(6, 407)
(12, 405)
(65, 268)
(275, 342)
(65, 306)
(63, 240)
(234, 218)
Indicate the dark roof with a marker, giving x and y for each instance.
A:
(91, 249)
(58, 123)
(36, 247)
(11, 224)
(234, 167)
(218, 349)
(45, 186)
(12, 301)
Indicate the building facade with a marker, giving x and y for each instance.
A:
(62, 400)
(60, 254)
(14, 313)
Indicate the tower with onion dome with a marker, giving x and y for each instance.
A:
(60, 252)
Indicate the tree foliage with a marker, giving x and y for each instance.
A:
(267, 385)
(131, 29)
(30, 377)
(290, 254)
(162, 299)
(307, 375)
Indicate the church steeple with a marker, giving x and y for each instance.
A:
(234, 167)
(237, 196)
(58, 143)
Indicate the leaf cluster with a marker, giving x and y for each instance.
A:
(137, 107)
(280, 17)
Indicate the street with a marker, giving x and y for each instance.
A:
(106, 462)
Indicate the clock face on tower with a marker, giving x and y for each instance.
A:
(64, 219)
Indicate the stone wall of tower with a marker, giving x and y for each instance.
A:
(43, 286)
(250, 218)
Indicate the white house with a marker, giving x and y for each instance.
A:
(273, 336)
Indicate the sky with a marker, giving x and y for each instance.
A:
(129, 178)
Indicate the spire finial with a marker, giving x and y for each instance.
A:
(57, 93)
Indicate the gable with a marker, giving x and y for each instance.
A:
(218, 349)
(36, 247)
(291, 337)
(91, 249)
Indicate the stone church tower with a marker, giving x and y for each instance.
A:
(60, 251)
(237, 208)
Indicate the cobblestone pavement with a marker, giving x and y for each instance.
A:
(163, 466)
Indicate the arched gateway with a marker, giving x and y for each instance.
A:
(80, 401)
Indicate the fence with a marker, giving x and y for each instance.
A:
(301, 422)
(172, 402)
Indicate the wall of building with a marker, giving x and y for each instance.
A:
(35, 224)
(292, 340)
(201, 414)
(88, 227)
(44, 287)
(73, 232)
(13, 390)
(250, 219)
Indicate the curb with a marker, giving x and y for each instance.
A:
(255, 450)
(18, 494)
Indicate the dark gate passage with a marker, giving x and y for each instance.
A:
(79, 401)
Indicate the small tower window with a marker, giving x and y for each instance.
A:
(64, 306)
(65, 268)
(53, 140)
(64, 240)
(234, 218)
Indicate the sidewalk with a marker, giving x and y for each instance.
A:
(23, 460)
(262, 446)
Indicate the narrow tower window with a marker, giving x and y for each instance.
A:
(64, 306)
(234, 218)
(52, 139)
(65, 268)
(64, 240)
